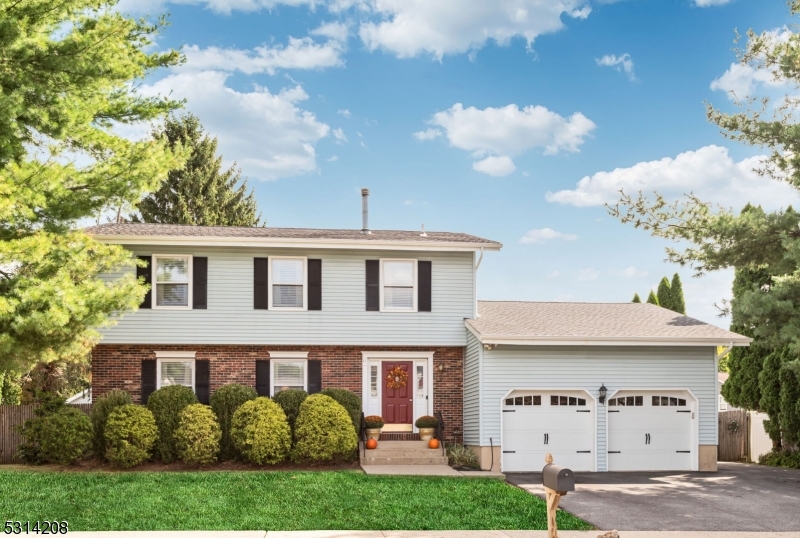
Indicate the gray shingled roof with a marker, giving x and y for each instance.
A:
(178, 230)
(516, 320)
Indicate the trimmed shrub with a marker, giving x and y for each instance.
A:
(30, 450)
(781, 458)
(131, 432)
(350, 401)
(324, 431)
(166, 405)
(260, 432)
(427, 421)
(290, 401)
(224, 402)
(101, 408)
(373, 422)
(66, 436)
(198, 434)
(461, 456)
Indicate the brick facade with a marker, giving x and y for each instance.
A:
(117, 366)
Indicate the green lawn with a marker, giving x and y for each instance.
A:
(281, 500)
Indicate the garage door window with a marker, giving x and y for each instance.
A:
(628, 401)
(524, 400)
(566, 400)
(664, 401)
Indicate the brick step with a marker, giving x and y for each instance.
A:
(377, 460)
(406, 445)
(404, 453)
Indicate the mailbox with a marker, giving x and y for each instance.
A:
(557, 478)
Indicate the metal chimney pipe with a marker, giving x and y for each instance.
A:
(365, 211)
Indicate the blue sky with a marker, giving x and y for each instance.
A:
(513, 120)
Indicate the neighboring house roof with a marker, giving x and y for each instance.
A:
(722, 377)
(177, 234)
(531, 323)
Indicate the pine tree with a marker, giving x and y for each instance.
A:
(663, 294)
(200, 193)
(676, 294)
(789, 403)
(652, 299)
(636, 298)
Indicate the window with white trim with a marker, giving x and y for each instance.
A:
(723, 405)
(172, 281)
(175, 372)
(288, 374)
(288, 283)
(399, 285)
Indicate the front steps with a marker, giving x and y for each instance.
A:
(402, 453)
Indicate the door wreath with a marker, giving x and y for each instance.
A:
(397, 378)
(733, 426)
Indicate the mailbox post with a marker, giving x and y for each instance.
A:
(557, 481)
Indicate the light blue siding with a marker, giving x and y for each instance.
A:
(472, 394)
(506, 368)
(231, 319)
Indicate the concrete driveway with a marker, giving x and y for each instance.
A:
(740, 497)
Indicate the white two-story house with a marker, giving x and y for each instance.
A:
(601, 386)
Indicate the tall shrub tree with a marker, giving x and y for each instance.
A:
(663, 294)
(200, 192)
(676, 294)
(652, 298)
(636, 298)
(66, 79)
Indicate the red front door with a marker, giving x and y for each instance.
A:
(397, 403)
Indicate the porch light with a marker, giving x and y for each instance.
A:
(603, 392)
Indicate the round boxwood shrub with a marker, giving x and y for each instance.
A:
(224, 402)
(427, 421)
(131, 432)
(30, 450)
(350, 401)
(198, 434)
(66, 436)
(260, 432)
(324, 431)
(101, 408)
(290, 401)
(166, 405)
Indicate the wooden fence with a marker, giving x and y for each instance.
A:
(733, 427)
(12, 416)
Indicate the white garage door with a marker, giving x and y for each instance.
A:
(538, 422)
(650, 431)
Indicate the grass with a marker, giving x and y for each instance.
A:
(337, 500)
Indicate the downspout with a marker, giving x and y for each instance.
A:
(717, 357)
(475, 280)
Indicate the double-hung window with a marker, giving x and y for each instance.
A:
(288, 374)
(172, 281)
(288, 283)
(175, 371)
(399, 285)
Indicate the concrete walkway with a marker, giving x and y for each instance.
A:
(424, 534)
(428, 470)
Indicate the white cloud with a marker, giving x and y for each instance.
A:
(427, 134)
(633, 272)
(622, 63)
(218, 6)
(495, 166)
(332, 159)
(543, 235)
(587, 275)
(297, 54)
(709, 172)
(741, 81)
(411, 27)
(332, 30)
(508, 131)
(708, 3)
(344, 112)
(267, 134)
(339, 135)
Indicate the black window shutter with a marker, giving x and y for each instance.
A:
(202, 381)
(373, 285)
(261, 284)
(199, 283)
(147, 273)
(148, 379)
(315, 284)
(262, 377)
(314, 376)
(424, 286)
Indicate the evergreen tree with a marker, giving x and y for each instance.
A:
(636, 298)
(200, 193)
(663, 294)
(789, 403)
(652, 299)
(676, 295)
(770, 386)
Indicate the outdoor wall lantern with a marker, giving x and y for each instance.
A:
(603, 392)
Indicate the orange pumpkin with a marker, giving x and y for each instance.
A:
(433, 443)
(372, 443)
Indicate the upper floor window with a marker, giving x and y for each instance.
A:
(173, 281)
(399, 285)
(288, 283)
